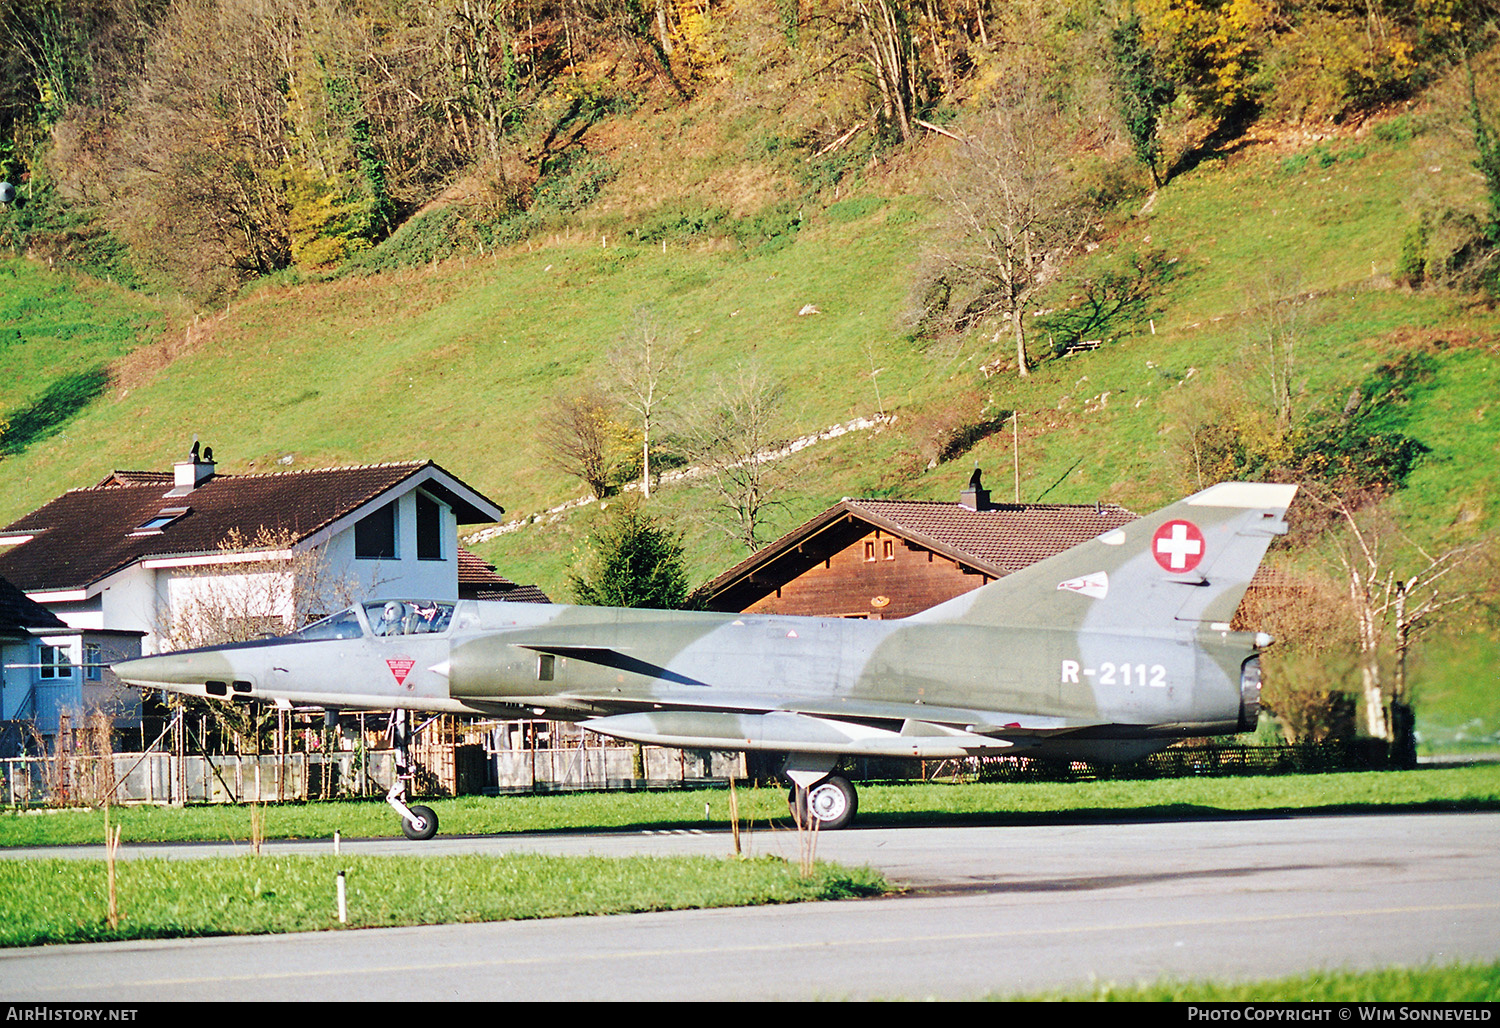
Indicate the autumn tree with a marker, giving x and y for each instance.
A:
(1306, 672)
(1210, 49)
(576, 435)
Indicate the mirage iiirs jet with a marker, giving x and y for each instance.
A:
(1105, 652)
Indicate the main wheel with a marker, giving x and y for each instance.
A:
(832, 804)
(424, 827)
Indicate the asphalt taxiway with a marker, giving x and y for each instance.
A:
(985, 911)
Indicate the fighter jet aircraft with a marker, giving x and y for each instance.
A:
(1107, 651)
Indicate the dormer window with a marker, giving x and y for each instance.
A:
(156, 524)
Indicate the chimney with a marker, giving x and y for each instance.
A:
(975, 496)
(189, 474)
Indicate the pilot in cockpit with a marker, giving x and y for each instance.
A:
(390, 619)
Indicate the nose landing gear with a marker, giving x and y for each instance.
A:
(417, 822)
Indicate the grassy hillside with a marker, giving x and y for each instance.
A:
(452, 361)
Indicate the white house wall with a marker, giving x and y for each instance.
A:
(129, 603)
(215, 596)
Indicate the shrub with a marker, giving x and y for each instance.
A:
(570, 182)
(854, 209)
(1359, 451)
(685, 222)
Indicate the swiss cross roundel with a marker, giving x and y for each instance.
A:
(1177, 546)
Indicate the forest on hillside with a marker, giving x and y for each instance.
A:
(197, 144)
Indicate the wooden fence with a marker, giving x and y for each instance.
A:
(442, 770)
(589, 763)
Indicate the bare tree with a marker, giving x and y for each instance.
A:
(1391, 610)
(270, 587)
(1013, 218)
(889, 51)
(643, 366)
(1279, 322)
(731, 435)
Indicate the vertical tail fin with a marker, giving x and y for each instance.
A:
(1187, 563)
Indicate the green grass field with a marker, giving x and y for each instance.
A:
(1474, 787)
(47, 901)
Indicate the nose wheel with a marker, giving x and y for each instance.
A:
(421, 823)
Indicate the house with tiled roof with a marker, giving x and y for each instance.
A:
(892, 558)
(136, 551)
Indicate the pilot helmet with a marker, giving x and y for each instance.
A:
(392, 611)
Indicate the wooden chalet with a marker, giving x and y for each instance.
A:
(892, 558)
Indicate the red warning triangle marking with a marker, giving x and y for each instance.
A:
(400, 667)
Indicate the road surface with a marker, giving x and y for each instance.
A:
(986, 911)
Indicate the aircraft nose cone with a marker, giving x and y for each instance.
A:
(171, 669)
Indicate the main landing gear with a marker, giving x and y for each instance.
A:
(417, 822)
(830, 804)
(817, 798)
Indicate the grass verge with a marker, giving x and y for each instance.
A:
(57, 901)
(1474, 787)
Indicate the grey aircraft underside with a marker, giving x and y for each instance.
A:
(1107, 651)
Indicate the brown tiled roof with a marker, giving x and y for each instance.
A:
(994, 541)
(515, 594)
(19, 614)
(1003, 539)
(478, 579)
(87, 534)
(521, 595)
(476, 572)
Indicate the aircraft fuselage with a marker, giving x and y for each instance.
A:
(580, 663)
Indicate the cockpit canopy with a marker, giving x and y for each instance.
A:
(382, 618)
